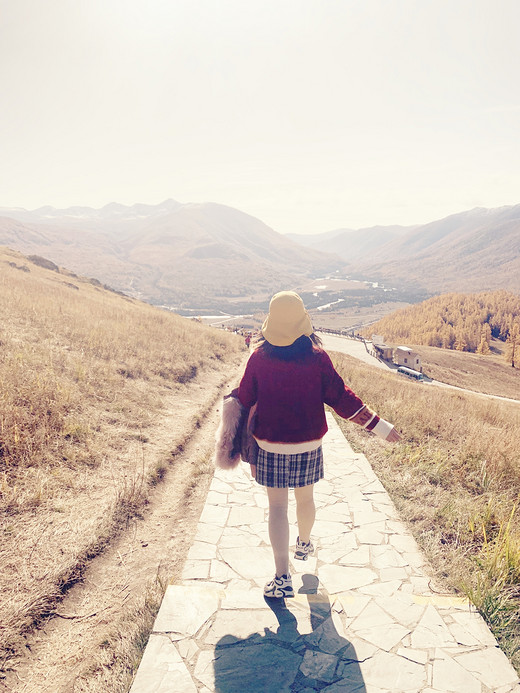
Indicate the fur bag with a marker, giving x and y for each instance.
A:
(233, 438)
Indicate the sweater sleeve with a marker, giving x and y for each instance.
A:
(336, 394)
(248, 390)
(348, 405)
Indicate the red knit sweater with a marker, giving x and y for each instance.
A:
(290, 396)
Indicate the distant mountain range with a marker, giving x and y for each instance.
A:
(471, 251)
(352, 244)
(212, 256)
(183, 255)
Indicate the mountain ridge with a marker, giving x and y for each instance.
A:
(176, 254)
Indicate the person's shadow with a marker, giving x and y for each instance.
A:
(287, 661)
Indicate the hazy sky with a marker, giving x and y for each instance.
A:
(309, 114)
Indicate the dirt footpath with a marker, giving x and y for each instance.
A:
(94, 640)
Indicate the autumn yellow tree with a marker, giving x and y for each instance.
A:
(454, 321)
(483, 347)
(512, 352)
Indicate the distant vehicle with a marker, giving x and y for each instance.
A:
(410, 373)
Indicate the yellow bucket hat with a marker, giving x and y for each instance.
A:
(287, 319)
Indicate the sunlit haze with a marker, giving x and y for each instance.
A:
(310, 115)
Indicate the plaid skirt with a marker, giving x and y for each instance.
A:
(289, 471)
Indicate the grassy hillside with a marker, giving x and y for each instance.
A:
(490, 374)
(456, 478)
(466, 322)
(85, 377)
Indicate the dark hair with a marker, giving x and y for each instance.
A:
(297, 351)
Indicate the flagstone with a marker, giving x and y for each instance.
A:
(352, 604)
(388, 574)
(352, 683)
(162, 669)
(398, 527)
(473, 623)
(382, 589)
(221, 572)
(490, 666)
(260, 530)
(384, 638)
(187, 649)
(402, 609)
(363, 618)
(324, 486)
(386, 557)
(196, 568)
(241, 668)
(201, 550)
(216, 498)
(297, 565)
(214, 515)
(343, 542)
(358, 650)
(369, 535)
(340, 578)
(184, 610)
(372, 616)
(415, 560)
(404, 543)
(261, 500)
(451, 677)
(359, 556)
(208, 533)
(243, 498)
(221, 486)
(319, 665)
(230, 625)
(241, 515)
(329, 636)
(336, 511)
(236, 537)
(326, 528)
(420, 585)
(251, 563)
(393, 673)
(418, 656)
(431, 631)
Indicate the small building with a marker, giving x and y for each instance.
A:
(382, 350)
(404, 356)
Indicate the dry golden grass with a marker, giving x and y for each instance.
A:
(490, 374)
(456, 478)
(85, 375)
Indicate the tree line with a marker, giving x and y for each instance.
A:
(466, 322)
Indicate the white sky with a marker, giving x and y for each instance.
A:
(309, 114)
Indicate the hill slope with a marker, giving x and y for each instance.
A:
(453, 321)
(203, 255)
(88, 379)
(471, 251)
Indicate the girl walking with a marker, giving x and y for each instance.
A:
(290, 377)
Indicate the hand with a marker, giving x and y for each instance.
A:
(393, 436)
(253, 470)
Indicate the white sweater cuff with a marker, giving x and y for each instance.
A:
(382, 428)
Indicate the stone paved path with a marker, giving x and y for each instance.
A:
(364, 618)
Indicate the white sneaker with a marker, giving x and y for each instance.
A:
(303, 550)
(279, 587)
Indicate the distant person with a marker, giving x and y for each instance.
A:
(290, 378)
(248, 340)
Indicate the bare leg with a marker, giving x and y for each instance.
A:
(305, 511)
(279, 528)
